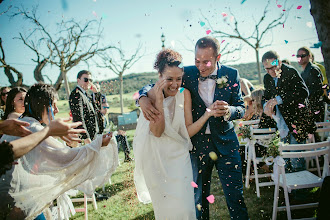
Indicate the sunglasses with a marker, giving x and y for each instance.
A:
(106, 107)
(87, 79)
(301, 56)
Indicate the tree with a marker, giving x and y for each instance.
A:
(119, 66)
(256, 38)
(70, 44)
(320, 12)
(9, 69)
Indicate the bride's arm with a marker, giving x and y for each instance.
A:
(157, 127)
(193, 128)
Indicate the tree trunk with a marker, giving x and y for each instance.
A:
(37, 71)
(320, 11)
(121, 93)
(66, 84)
(58, 83)
(10, 76)
(258, 66)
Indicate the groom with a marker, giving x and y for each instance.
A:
(210, 82)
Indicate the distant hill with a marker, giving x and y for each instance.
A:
(135, 81)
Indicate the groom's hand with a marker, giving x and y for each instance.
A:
(149, 111)
(221, 108)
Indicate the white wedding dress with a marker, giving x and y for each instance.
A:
(163, 172)
(51, 169)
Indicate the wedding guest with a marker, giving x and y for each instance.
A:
(83, 106)
(321, 67)
(51, 168)
(313, 79)
(286, 101)
(15, 103)
(207, 81)
(4, 93)
(163, 176)
(10, 151)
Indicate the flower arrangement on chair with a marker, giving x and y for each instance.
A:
(244, 131)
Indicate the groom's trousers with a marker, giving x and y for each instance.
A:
(230, 173)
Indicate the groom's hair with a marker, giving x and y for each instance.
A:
(207, 42)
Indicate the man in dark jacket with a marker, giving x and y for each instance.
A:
(286, 100)
(313, 78)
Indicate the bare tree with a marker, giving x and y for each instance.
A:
(9, 69)
(320, 12)
(256, 38)
(70, 44)
(120, 65)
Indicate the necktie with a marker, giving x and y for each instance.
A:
(201, 78)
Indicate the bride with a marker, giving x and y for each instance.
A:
(163, 172)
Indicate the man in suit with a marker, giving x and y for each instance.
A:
(286, 100)
(216, 144)
(83, 107)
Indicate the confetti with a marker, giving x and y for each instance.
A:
(208, 31)
(243, 1)
(275, 62)
(309, 24)
(227, 163)
(279, 6)
(94, 13)
(283, 25)
(213, 156)
(223, 41)
(301, 105)
(294, 126)
(235, 85)
(294, 131)
(199, 207)
(208, 110)
(293, 55)
(210, 198)
(181, 89)
(316, 112)
(325, 86)
(224, 14)
(193, 184)
(317, 45)
(286, 41)
(208, 64)
(299, 7)
(202, 23)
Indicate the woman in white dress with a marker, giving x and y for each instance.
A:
(51, 168)
(163, 172)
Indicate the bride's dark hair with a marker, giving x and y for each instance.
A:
(167, 57)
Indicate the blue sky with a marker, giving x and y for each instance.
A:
(129, 22)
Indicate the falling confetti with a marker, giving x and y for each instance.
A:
(286, 41)
(210, 198)
(275, 63)
(223, 41)
(279, 6)
(283, 25)
(202, 23)
(295, 131)
(299, 7)
(208, 64)
(213, 156)
(317, 45)
(181, 89)
(294, 126)
(309, 24)
(293, 55)
(193, 184)
(224, 14)
(316, 112)
(199, 207)
(301, 105)
(235, 85)
(94, 13)
(208, 32)
(243, 1)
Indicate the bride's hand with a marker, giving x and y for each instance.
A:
(158, 88)
(106, 139)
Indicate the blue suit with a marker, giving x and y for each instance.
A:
(222, 140)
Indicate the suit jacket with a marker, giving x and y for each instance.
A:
(222, 131)
(293, 91)
(84, 109)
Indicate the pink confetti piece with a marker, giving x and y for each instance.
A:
(208, 64)
(208, 32)
(136, 95)
(235, 85)
(224, 14)
(325, 86)
(283, 25)
(316, 112)
(293, 126)
(279, 6)
(294, 131)
(193, 184)
(210, 198)
(301, 105)
(299, 7)
(208, 110)
(223, 41)
(293, 55)
(94, 13)
(284, 10)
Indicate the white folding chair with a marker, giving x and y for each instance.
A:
(245, 142)
(258, 135)
(297, 180)
(326, 113)
(85, 200)
(323, 129)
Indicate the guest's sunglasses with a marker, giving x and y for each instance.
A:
(87, 79)
(301, 56)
